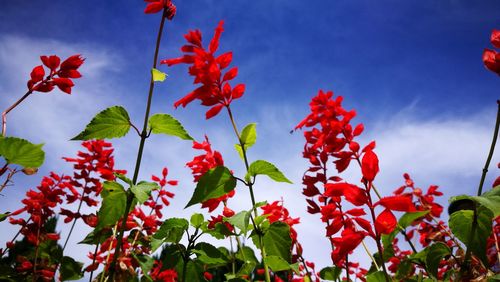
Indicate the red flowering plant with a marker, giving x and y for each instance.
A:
(132, 237)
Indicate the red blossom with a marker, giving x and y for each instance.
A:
(369, 165)
(386, 222)
(56, 77)
(155, 6)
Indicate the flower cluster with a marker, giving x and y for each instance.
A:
(60, 74)
(215, 90)
(491, 58)
(162, 193)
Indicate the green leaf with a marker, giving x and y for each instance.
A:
(277, 241)
(113, 204)
(330, 273)
(96, 237)
(277, 263)
(196, 220)
(266, 168)
(460, 224)
(489, 200)
(172, 230)
(249, 135)
(142, 190)
(408, 218)
(240, 220)
(4, 216)
(377, 276)
(124, 178)
(111, 123)
(158, 75)
(213, 184)
(436, 253)
(247, 268)
(404, 270)
(495, 278)
(246, 254)
(70, 269)
(166, 124)
(21, 152)
(210, 255)
(238, 149)
(145, 262)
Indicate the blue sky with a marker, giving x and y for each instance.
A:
(411, 69)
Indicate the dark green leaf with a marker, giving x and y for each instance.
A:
(172, 230)
(113, 204)
(247, 268)
(21, 152)
(113, 122)
(266, 168)
(213, 184)
(330, 273)
(489, 200)
(97, 237)
(436, 253)
(166, 124)
(277, 241)
(142, 190)
(210, 255)
(460, 224)
(246, 254)
(145, 262)
(70, 269)
(240, 220)
(196, 220)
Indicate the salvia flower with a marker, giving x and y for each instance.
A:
(59, 74)
(491, 58)
(155, 6)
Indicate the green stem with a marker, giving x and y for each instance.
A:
(130, 195)
(466, 264)
(250, 188)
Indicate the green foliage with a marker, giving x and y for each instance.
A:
(142, 190)
(114, 201)
(172, 230)
(330, 273)
(240, 220)
(460, 224)
(3, 216)
(489, 200)
(166, 124)
(112, 122)
(213, 184)
(70, 269)
(248, 138)
(21, 152)
(408, 218)
(277, 263)
(158, 76)
(196, 220)
(377, 276)
(145, 262)
(210, 255)
(277, 241)
(265, 168)
(435, 254)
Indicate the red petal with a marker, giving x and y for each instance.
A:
(214, 43)
(397, 203)
(369, 165)
(51, 62)
(37, 74)
(358, 130)
(495, 38)
(386, 222)
(238, 91)
(231, 74)
(154, 7)
(224, 60)
(213, 111)
(355, 195)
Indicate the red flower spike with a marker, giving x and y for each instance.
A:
(386, 222)
(369, 165)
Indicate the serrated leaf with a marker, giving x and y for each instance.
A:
(460, 223)
(408, 218)
(330, 273)
(240, 220)
(435, 254)
(266, 168)
(142, 190)
(213, 184)
(21, 152)
(210, 255)
(112, 122)
(196, 220)
(158, 75)
(277, 240)
(277, 263)
(114, 201)
(172, 230)
(70, 269)
(166, 124)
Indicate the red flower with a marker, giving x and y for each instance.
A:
(397, 203)
(156, 6)
(59, 78)
(345, 244)
(495, 38)
(215, 90)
